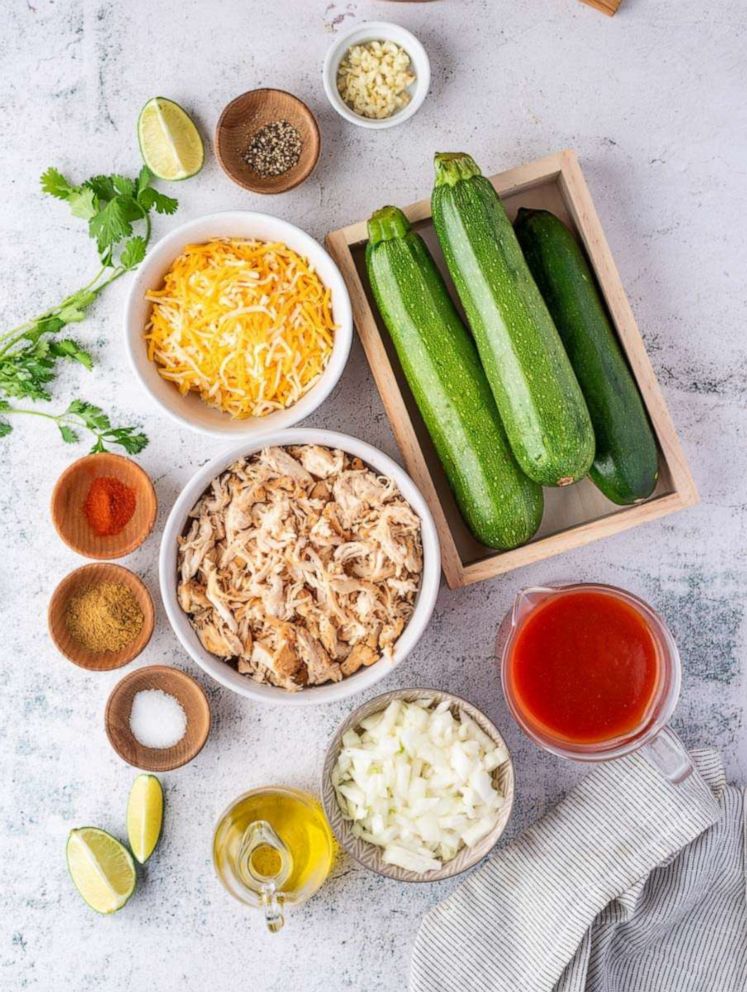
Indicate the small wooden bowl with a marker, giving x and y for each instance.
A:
(369, 855)
(74, 584)
(241, 120)
(69, 496)
(193, 701)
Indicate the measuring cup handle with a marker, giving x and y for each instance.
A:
(667, 752)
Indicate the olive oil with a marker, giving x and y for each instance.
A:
(273, 847)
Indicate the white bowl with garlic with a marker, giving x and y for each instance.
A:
(300, 568)
(376, 75)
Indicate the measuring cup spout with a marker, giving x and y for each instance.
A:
(526, 600)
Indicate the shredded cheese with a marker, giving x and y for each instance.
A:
(246, 324)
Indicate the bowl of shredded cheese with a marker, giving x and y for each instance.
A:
(376, 75)
(238, 323)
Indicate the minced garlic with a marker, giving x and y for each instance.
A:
(373, 78)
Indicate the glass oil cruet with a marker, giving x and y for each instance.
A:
(273, 847)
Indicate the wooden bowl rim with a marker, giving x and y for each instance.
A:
(146, 487)
(65, 588)
(239, 178)
(189, 686)
(466, 858)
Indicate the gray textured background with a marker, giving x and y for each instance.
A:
(654, 103)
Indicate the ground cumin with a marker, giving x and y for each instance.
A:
(105, 617)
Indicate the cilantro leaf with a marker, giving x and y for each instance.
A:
(54, 183)
(68, 434)
(83, 203)
(28, 371)
(132, 440)
(131, 209)
(163, 204)
(109, 225)
(123, 185)
(72, 350)
(92, 416)
(133, 252)
(5, 428)
(144, 179)
(102, 187)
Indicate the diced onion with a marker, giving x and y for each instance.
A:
(419, 782)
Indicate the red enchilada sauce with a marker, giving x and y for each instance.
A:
(584, 668)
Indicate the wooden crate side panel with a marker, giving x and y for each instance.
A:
(589, 227)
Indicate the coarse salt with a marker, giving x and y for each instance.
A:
(157, 719)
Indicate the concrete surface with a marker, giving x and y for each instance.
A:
(653, 101)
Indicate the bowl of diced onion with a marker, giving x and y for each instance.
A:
(418, 785)
(238, 323)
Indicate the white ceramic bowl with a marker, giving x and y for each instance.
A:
(190, 410)
(378, 31)
(364, 678)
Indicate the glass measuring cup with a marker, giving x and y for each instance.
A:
(273, 847)
(651, 734)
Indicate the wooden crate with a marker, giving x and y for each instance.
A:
(575, 515)
(608, 7)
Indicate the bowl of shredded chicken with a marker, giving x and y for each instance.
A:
(238, 322)
(301, 569)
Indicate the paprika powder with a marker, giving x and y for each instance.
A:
(109, 505)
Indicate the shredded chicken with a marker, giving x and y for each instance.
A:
(300, 565)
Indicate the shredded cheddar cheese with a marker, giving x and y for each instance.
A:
(246, 324)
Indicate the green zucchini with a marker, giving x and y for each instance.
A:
(539, 400)
(626, 464)
(501, 506)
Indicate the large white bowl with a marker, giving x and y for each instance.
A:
(377, 31)
(364, 678)
(190, 410)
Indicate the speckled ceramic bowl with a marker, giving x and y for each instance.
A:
(369, 855)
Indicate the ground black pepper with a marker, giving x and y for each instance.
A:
(274, 149)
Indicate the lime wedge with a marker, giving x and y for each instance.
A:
(169, 141)
(144, 816)
(101, 867)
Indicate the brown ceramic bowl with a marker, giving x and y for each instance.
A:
(74, 584)
(69, 496)
(193, 701)
(241, 120)
(369, 855)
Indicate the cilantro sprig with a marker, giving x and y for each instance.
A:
(82, 416)
(117, 210)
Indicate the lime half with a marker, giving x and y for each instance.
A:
(144, 816)
(170, 143)
(101, 867)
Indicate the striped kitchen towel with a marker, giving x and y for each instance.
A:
(630, 884)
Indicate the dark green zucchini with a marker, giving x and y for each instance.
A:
(538, 397)
(626, 463)
(501, 506)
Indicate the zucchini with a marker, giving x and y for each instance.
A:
(501, 506)
(626, 464)
(539, 400)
